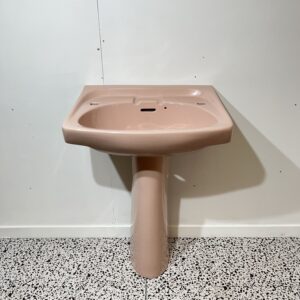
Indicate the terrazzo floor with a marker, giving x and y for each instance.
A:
(205, 268)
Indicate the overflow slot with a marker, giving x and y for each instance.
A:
(148, 109)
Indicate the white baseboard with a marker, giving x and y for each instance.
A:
(65, 231)
(270, 230)
(241, 230)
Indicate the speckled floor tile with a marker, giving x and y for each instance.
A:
(230, 268)
(67, 269)
(206, 268)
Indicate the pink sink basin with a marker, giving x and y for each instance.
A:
(148, 120)
(149, 123)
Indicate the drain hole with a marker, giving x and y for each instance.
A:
(148, 109)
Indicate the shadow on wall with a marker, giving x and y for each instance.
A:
(121, 175)
(234, 167)
(217, 169)
(200, 175)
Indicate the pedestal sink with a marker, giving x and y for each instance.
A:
(148, 123)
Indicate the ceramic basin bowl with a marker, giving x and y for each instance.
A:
(148, 120)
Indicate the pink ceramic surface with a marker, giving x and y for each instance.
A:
(149, 123)
(149, 242)
(148, 120)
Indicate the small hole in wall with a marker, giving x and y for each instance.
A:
(165, 107)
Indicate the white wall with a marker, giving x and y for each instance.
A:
(249, 50)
